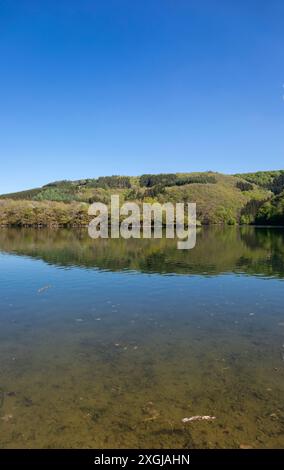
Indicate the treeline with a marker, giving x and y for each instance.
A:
(75, 214)
(85, 190)
(171, 179)
(110, 182)
(43, 214)
(104, 182)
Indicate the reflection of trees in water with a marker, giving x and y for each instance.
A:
(268, 238)
(255, 251)
(271, 240)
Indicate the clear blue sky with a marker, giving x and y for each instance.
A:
(91, 88)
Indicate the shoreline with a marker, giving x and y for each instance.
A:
(70, 226)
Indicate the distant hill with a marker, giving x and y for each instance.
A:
(220, 198)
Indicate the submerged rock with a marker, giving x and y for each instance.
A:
(6, 418)
(43, 289)
(198, 418)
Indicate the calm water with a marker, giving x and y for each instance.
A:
(111, 343)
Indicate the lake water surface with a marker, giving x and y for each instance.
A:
(111, 343)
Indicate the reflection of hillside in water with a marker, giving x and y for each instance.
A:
(249, 250)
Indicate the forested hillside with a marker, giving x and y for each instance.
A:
(230, 199)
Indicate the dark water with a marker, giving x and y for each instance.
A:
(111, 343)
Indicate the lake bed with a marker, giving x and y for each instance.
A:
(112, 343)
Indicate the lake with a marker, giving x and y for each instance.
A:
(111, 343)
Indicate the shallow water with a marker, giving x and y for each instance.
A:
(111, 343)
